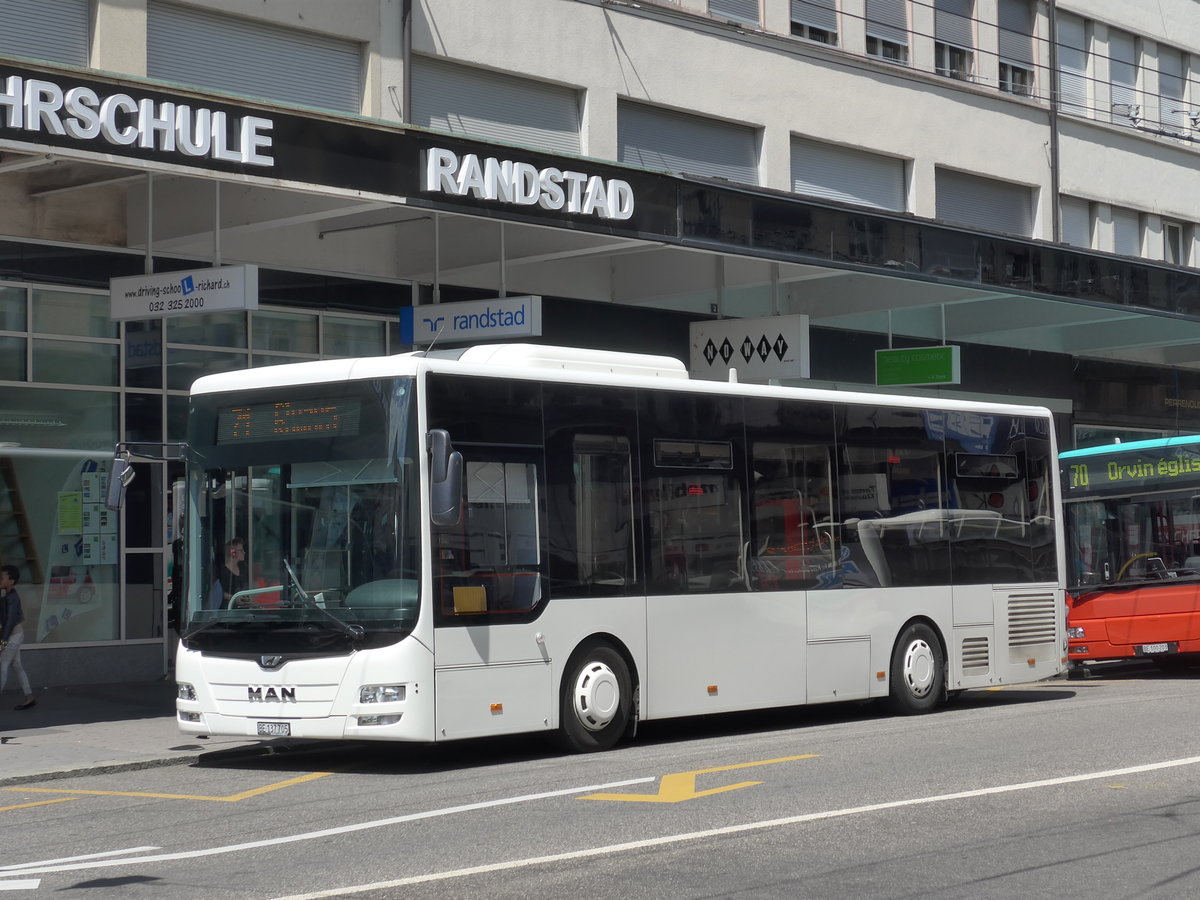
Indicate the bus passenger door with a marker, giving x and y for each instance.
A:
(492, 674)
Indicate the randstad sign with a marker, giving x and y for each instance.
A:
(522, 184)
(474, 320)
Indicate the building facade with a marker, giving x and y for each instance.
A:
(1015, 178)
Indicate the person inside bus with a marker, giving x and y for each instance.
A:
(231, 577)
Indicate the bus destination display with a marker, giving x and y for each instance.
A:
(288, 419)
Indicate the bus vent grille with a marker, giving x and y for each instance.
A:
(1031, 619)
(976, 656)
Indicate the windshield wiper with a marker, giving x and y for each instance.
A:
(204, 626)
(355, 632)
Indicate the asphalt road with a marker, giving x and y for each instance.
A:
(1064, 789)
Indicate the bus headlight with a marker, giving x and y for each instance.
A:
(380, 693)
(186, 691)
(1075, 631)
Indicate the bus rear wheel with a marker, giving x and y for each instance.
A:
(597, 699)
(918, 682)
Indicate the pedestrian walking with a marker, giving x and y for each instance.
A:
(12, 633)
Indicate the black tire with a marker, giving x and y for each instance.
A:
(918, 682)
(596, 700)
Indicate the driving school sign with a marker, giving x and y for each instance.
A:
(758, 349)
(183, 293)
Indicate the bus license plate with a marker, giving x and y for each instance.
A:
(275, 729)
(1155, 648)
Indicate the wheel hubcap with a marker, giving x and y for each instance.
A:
(919, 668)
(597, 696)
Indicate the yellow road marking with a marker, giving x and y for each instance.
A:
(36, 803)
(680, 786)
(232, 798)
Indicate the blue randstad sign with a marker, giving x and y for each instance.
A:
(474, 320)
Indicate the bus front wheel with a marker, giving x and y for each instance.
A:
(597, 698)
(918, 682)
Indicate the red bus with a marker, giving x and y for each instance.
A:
(1133, 544)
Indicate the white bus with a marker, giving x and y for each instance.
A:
(520, 538)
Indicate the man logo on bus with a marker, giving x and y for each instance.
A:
(283, 695)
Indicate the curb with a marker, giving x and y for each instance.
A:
(99, 769)
(150, 762)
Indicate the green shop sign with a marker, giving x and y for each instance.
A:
(918, 365)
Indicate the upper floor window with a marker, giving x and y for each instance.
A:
(739, 10)
(954, 38)
(206, 49)
(1172, 110)
(494, 106)
(1123, 78)
(1072, 65)
(815, 20)
(672, 141)
(1016, 46)
(54, 32)
(887, 30)
(1174, 248)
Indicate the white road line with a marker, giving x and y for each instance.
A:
(736, 829)
(19, 867)
(28, 884)
(35, 869)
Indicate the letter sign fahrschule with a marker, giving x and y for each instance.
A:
(36, 105)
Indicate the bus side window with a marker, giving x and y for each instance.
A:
(693, 494)
(792, 542)
(491, 561)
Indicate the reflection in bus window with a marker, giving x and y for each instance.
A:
(793, 538)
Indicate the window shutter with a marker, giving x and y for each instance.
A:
(254, 59)
(1170, 88)
(1076, 221)
(815, 13)
(52, 32)
(494, 106)
(952, 22)
(1122, 51)
(689, 145)
(1127, 232)
(984, 203)
(1072, 65)
(1016, 31)
(848, 175)
(888, 20)
(738, 10)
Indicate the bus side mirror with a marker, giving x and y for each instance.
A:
(445, 479)
(119, 476)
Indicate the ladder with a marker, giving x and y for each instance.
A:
(17, 546)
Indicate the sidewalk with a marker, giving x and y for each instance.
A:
(96, 728)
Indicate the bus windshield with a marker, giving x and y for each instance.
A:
(1146, 537)
(301, 524)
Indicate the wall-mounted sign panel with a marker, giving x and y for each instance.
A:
(759, 349)
(183, 293)
(473, 320)
(918, 365)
